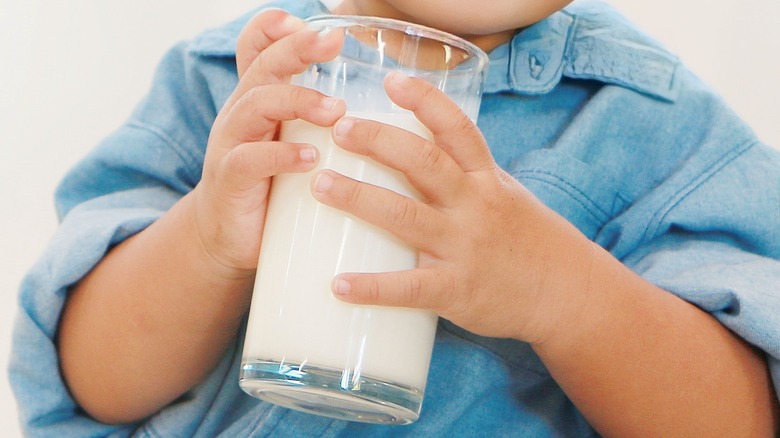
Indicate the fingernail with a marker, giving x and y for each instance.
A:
(343, 126)
(308, 155)
(329, 103)
(324, 34)
(396, 77)
(341, 286)
(292, 23)
(323, 182)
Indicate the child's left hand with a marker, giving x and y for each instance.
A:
(492, 258)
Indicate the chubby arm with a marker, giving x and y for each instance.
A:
(635, 359)
(639, 361)
(154, 317)
(150, 321)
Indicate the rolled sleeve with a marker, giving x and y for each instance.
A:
(127, 182)
(738, 288)
(45, 405)
(715, 242)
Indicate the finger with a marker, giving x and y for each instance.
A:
(254, 117)
(427, 167)
(418, 288)
(450, 126)
(249, 164)
(260, 32)
(286, 57)
(412, 221)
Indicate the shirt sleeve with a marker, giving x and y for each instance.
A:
(126, 183)
(715, 242)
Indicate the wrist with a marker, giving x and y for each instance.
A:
(602, 293)
(567, 293)
(202, 257)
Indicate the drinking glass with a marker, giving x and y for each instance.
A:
(304, 349)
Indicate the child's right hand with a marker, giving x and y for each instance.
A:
(152, 297)
(243, 152)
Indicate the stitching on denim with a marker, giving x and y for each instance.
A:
(569, 46)
(591, 206)
(190, 159)
(619, 203)
(565, 52)
(687, 189)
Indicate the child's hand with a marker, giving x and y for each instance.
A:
(242, 153)
(492, 258)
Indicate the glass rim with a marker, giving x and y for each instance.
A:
(405, 27)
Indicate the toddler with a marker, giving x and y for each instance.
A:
(602, 248)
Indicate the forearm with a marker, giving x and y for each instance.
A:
(150, 321)
(639, 361)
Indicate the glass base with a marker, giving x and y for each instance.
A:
(330, 392)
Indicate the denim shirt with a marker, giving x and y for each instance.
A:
(595, 118)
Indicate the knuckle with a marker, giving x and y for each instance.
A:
(237, 161)
(430, 157)
(298, 55)
(300, 61)
(461, 122)
(301, 99)
(450, 285)
(267, 69)
(373, 292)
(413, 291)
(253, 102)
(403, 213)
(245, 160)
(372, 133)
(354, 195)
(299, 94)
(427, 91)
(443, 292)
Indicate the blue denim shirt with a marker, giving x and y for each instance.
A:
(598, 120)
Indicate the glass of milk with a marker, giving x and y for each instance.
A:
(304, 349)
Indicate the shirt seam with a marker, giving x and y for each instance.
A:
(569, 44)
(567, 188)
(647, 83)
(189, 159)
(687, 189)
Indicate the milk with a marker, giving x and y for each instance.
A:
(294, 318)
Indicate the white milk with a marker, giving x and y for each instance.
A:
(294, 317)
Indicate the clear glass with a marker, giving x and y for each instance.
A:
(304, 349)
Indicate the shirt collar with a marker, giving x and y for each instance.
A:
(587, 40)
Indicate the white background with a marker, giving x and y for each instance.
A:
(72, 71)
